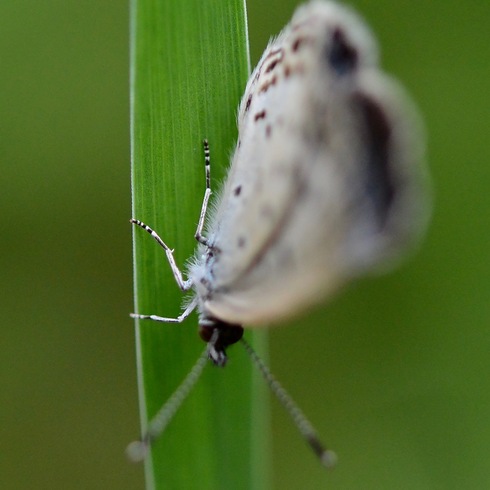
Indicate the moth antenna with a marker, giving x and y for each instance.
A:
(138, 450)
(327, 457)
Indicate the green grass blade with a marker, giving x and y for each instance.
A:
(189, 67)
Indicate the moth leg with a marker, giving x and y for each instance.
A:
(183, 285)
(163, 319)
(207, 164)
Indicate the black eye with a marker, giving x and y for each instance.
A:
(341, 56)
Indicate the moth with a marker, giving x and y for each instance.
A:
(325, 184)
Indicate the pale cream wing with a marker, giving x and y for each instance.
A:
(322, 182)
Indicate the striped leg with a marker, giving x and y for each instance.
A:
(183, 285)
(163, 319)
(207, 194)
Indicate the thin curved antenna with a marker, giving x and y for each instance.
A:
(327, 457)
(138, 450)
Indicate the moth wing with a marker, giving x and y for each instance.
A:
(260, 186)
(322, 183)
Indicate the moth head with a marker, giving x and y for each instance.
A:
(219, 335)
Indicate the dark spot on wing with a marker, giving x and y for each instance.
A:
(379, 188)
(271, 66)
(277, 56)
(249, 101)
(260, 115)
(205, 283)
(275, 52)
(237, 190)
(341, 56)
(267, 84)
(297, 44)
(241, 242)
(268, 131)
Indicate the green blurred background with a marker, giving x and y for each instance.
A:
(394, 372)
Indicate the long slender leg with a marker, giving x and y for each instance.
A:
(163, 319)
(207, 195)
(183, 285)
